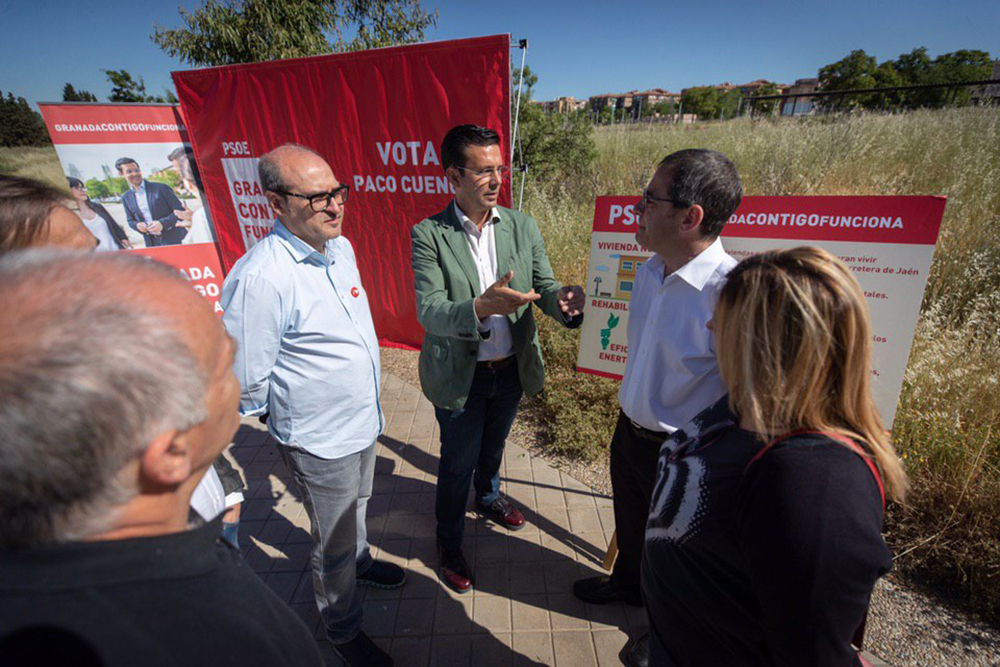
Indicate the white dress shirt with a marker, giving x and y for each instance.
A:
(671, 372)
(142, 202)
(496, 339)
(306, 345)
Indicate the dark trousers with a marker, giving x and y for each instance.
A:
(634, 454)
(472, 440)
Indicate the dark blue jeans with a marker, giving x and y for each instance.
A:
(472, 441)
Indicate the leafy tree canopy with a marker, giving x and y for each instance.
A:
(225, 32)
(20, 125)
(126, 89)
(71, 94)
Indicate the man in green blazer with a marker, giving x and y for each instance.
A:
(478, 268)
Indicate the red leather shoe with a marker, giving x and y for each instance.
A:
(455, 572)
(501, 511)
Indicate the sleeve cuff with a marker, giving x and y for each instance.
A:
(251, 412)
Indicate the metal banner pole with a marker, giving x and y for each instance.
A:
(523, 45)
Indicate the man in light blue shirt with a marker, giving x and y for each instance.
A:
(308, 356)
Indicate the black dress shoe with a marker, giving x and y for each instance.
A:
(383, 574)
(363, 652)
(455, 571)
(638, 653)
(501, 511)
(601, 590)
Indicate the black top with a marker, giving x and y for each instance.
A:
(182, 599)
(768, 565)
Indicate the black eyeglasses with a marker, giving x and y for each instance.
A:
(488, 173)
(321, 201)
(646, 198)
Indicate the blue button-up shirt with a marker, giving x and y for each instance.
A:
(307, 351)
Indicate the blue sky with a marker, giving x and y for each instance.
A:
(577, 48)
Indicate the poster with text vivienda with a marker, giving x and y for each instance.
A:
(888, 242)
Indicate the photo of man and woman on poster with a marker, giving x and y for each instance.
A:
(137, 195)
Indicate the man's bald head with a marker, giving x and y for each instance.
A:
(273, 166)
(98, 355)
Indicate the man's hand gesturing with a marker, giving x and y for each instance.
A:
(498, 299)
(571, 300)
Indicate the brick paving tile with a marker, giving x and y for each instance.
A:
(453, 616)
(530, 613)
(413, 617)
(380, 617)
(451, 651)
(567, 612)
(573, 649)
(607, 616)
(524, 548)
(283, 584)
(533, 648)
(492, 650)
(584, 520)
(491, 614)
(608, 645)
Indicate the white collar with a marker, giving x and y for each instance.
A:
(698, 269)
(467, 222)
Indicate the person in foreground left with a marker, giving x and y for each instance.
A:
(103, 443)
(33, 214)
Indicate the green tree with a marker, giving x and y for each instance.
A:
(97, 189)
(729, 103)
(764, 107)
(71, 94)
(224, 32)
(554, 144)
(126, 89)
(168, 177)
(20, 125)
(854, 71)
(117, 185)
(701, 100)
(530, 79)
(664, 108)
(956, 67)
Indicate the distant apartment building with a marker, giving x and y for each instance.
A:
(803, 105)
(563, 105)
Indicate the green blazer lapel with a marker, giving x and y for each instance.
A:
(454, 235)
(503, 238)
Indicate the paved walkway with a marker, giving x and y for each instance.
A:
(522, 611)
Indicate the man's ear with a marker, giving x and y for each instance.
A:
(276, 201)
(167, 459)
(454, 175)
(695, 214)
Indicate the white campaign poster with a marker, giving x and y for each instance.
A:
(887, 241)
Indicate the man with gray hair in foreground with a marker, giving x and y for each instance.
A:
(103, 442)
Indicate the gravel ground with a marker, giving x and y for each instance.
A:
(907, 627)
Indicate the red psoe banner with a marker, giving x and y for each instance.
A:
(378, 117)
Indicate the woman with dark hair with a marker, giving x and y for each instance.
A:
(764, 536)
(109, 234)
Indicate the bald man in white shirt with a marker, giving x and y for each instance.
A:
(671, 373)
